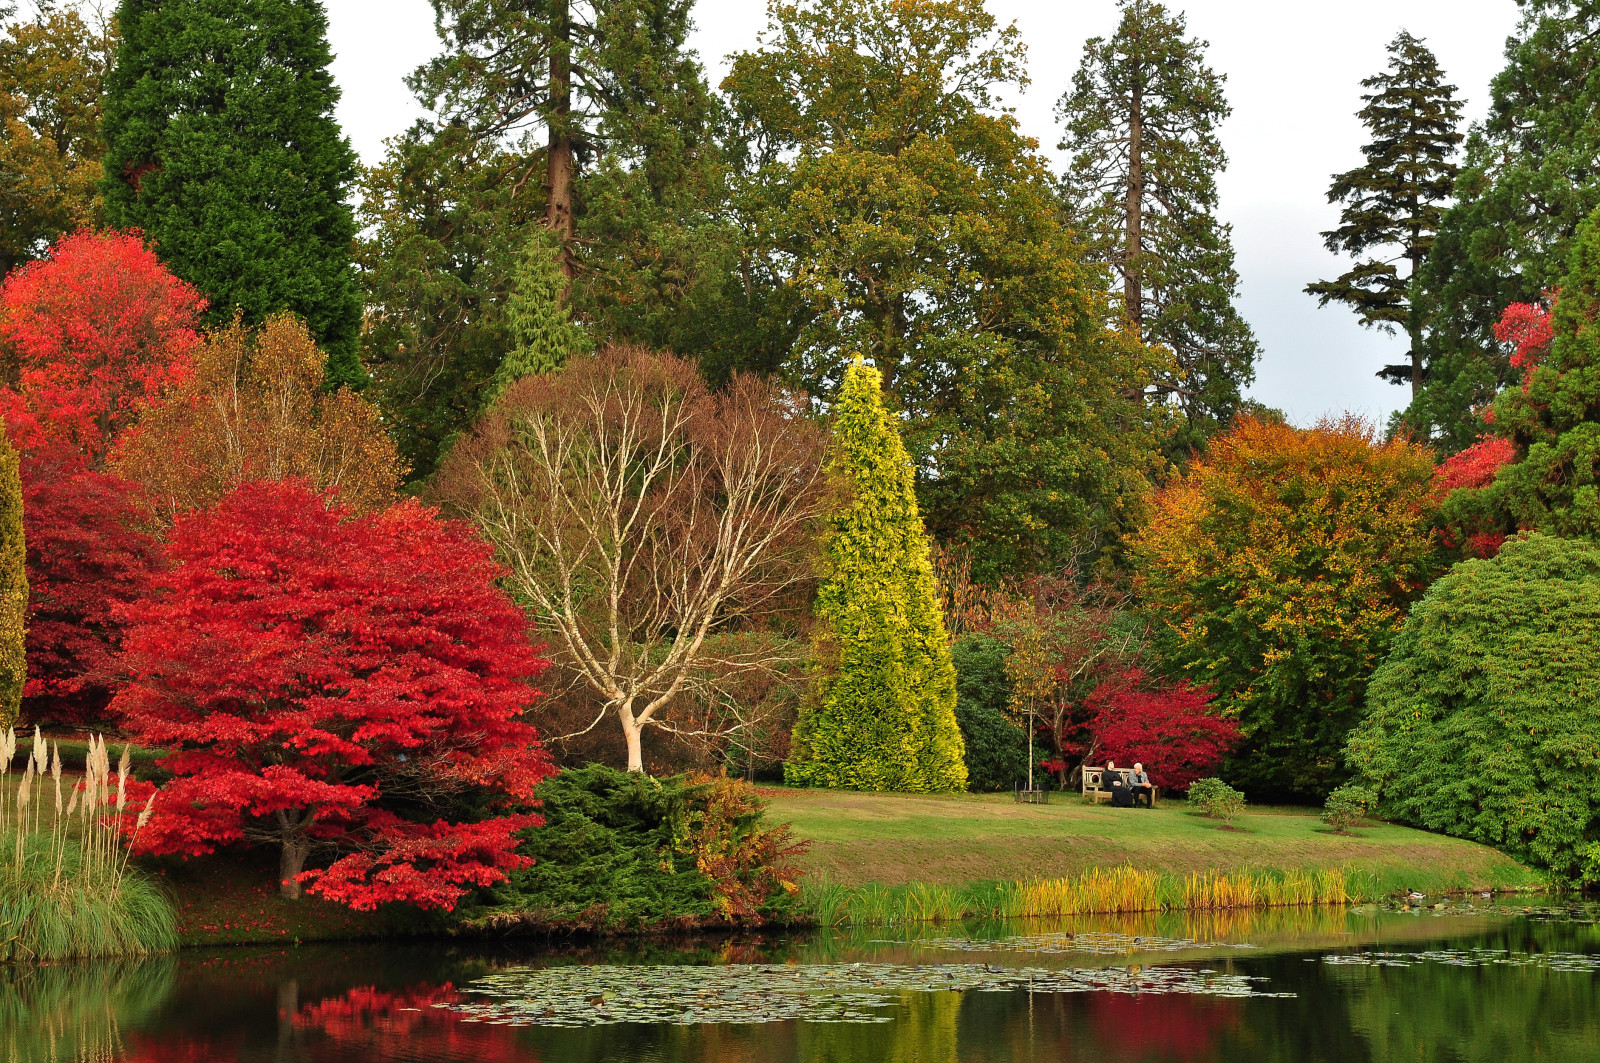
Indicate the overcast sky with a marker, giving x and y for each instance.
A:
(1293, 73)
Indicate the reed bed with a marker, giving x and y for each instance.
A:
(1097, 891)
(66, 890)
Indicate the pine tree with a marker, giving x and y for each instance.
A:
(1529, 176)
(1396, 199)
(13, 587)
(1141, 123)
(541, 329)
(222, 146)
(884, 709)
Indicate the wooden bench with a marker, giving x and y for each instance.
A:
(1093, 790)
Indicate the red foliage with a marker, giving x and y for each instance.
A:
(86, 558)
(1171, 730)
(311, 671)
(1527, 327)
(1474, 467)
(95, 328)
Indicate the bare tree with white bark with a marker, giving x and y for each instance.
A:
(640, 514)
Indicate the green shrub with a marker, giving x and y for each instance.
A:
(1484, 721)
(622, 850)
(996, 748)
(883, 714)
(1216, 799)
(1345, 806)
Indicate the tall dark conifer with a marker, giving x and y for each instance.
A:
(221, 144)
(1141, 123)
(1395, 201)
(1530, 175)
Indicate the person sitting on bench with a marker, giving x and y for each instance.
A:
(1121, 793)
(1139, 786)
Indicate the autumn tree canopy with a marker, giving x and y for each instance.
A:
(91, 331)
(1278, 569)
(331, 684)
(256, 407)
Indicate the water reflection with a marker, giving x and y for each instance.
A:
(377, 1003)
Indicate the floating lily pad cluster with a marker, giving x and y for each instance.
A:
(1095, 944)
(757, 993)
(1551, 961)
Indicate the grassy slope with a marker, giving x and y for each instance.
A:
(951, 840)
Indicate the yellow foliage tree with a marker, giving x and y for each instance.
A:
(256, 408)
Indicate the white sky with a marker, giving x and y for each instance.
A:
(1293, 72)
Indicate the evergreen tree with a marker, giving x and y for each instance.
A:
(540, 326)
(1141, 123)
(1396, 199)
(1553, 420)
(222, 146)
(13, 587)
(1530, 175)
(891, 205)
(883, 715)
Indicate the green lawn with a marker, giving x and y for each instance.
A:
(897, 839)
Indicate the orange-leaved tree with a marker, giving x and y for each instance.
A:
(255, 408)
(1278, 568)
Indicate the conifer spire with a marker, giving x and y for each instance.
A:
(882, 715)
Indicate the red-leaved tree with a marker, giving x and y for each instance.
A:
(335, 684)
(1172, 730)
(87, 556)
(91, 330)
(1529, 329)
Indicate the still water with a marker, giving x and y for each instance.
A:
(1472, 982)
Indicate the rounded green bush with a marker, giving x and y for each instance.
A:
(1484, 720)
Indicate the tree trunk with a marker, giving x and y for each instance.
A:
(1413, 326)
(292, 857)
(560, 163)
(1132, 289)
(631, 732)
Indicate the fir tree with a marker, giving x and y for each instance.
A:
(541, 329)
(883, 715)
(1141, 123)
(1396, 199)
(222, 146)
(13, 587)
(1529, 176)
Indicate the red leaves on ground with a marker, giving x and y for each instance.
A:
(334, 684)
(95, 328)
(1527, 326)
(86, 557)
(1171, 730)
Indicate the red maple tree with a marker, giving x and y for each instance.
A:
(1528, 328)
(87, 556)
(1172, 730)
(93, 329)
(335, 684)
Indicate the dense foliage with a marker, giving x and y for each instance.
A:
(221, 145)
(1396, 199)
(13, 589)
(883, 714)
(1142, 120)
(93, 330)
(1483, 721)
(995, 748)
(881, 182)
(620, 850)
(255, 406)
(1278, 569)
(1527, 180)
(539, 324)
(52, 81)
(336, 684)
(1553, 420)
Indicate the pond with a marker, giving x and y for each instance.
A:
(1471, 981)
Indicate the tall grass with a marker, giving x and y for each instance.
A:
(1097, 891)
(65, 886)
